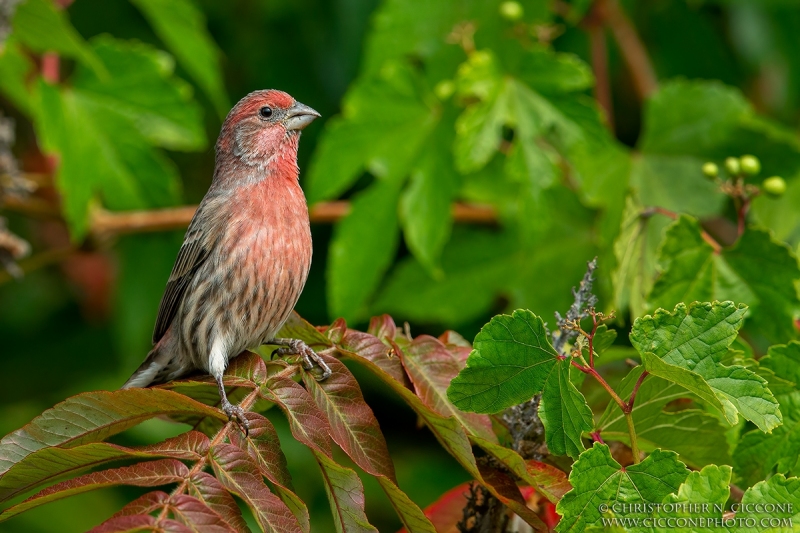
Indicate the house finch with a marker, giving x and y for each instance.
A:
(246, 254)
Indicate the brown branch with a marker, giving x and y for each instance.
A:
(106, 223)
(595, 27)
(630, 46)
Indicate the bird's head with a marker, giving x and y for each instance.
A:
(263, 125)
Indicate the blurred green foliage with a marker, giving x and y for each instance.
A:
(425, 103)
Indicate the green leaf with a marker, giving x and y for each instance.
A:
(15, 67)
(183, 28)
(635, 254)
(511, 361)
(549, 72)
(784, 360)
(481, 260)
(100, 154)
(692, 271)
(757, 455)
(775, 288)
(42, 28)
(346, 496)
(148, 474)
(384, 124)
(699, 501)
(675, 183)
(598, 479)
(695, 339)
(425, 205)
(144, 91)
(564, 413)
(697, 436)
(783, 493)
(363, 247)
(688, 117)
(711, 485)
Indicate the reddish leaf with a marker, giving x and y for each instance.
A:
(352, 424)
(452, 437)
(95, 416)
(144, 504)
(197, 515)
(191, 445)
(355, 429)
(307, 423)
(210, 491)
(346, 496)
(548, 480)
(247, 366)
(503, 487)
(48, 464)
(358, 345)
(129, 524)
(188, 510)
(264, 448)
(150, 474)
(458, 346)
(431, 367)
(239, 475)
(382, 327)
(337, 330)
(446, 512)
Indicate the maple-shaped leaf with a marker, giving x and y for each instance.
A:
(686, 346)
(512, 361)
(598, 479)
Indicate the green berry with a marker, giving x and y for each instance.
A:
(710, 170)
(511, 11)
(774, 186)
(444, 89)
(733, 166)
(750, 165)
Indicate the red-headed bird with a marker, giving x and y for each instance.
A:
(246, 254)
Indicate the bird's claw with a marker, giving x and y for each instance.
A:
(298, 347)
(234, 412)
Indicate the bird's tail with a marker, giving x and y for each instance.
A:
(157, 368)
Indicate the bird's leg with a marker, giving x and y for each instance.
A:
(298, 347)
(234, 412)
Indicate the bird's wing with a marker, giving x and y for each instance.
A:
(195, 249)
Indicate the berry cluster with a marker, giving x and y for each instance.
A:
(739, 169)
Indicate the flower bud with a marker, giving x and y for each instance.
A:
(733, 166)
(710, 170)
(444, 89)
(750, 165)
(511, 11)
(774, 186)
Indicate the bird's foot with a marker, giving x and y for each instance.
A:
(298, 347)
(236, 413)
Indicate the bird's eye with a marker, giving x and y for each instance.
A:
(265, 111)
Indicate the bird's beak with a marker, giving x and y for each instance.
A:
(299, 116)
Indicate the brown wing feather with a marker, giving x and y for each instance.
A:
(193, 252)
